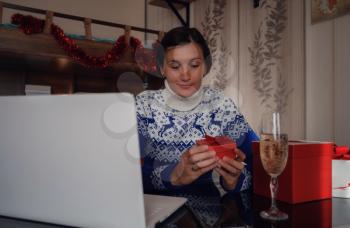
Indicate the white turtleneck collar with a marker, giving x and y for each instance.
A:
(179, 103)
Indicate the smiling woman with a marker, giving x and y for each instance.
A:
(184, 69)
(183, 58)
(171, 120)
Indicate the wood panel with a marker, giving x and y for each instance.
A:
(15, 41)
(60, 84)
(44, 63)
(11, 83)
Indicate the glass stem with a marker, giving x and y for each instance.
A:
(273, 189)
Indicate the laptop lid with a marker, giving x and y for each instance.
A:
(71, 160)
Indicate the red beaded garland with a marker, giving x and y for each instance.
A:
(31, 25)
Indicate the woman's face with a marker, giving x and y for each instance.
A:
(184, 68)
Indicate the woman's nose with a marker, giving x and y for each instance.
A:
(185, 74)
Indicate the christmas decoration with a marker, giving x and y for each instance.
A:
(31, 25)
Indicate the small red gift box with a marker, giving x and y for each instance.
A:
(222, 145)
(306, 177)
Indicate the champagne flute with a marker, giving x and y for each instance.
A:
(274, 155)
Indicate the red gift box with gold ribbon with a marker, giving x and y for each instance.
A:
(306, 177)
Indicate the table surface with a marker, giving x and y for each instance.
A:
(243, 209)
(238, 210)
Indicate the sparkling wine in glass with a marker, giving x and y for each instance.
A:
(274, 155)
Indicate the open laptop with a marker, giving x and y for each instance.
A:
(74, 160)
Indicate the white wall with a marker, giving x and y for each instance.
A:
(128, 12)
(328, 79)
(162, 19)
(342, 80)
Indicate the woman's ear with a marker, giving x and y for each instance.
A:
(162, 72)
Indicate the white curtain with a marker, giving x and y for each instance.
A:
(161, 19)
(258, 56)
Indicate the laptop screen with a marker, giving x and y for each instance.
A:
(71, 160)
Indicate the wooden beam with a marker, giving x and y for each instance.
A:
(88, 30)
(77, 18)
(41, 53)
(127, 33)
(48, 22)
(14, 40)
(15, 43)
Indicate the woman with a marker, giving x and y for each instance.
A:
(172, 119)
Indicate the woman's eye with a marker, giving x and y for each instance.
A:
(175, 67)
(195, 64)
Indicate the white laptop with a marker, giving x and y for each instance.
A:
(74, 160)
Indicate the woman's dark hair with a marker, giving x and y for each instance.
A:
(180, 36)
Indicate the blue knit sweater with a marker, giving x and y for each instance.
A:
(165, 134)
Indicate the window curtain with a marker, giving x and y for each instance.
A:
(258, 56)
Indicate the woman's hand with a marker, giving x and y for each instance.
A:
(230, 169)
(194, 162)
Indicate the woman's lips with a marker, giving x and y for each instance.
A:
(185, 86)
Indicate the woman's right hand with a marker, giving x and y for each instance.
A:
(193, 163)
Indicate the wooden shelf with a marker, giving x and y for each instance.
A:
(15, 41)
(43, 62)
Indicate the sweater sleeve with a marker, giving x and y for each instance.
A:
(236, 127)
(155, 174)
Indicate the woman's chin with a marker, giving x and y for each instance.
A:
(185, 93)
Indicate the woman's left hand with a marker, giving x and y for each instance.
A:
(230, 169)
